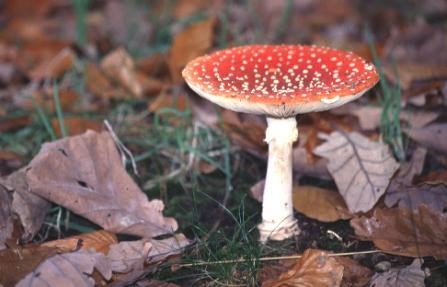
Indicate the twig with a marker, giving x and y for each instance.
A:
(273, 258)
(125, 152)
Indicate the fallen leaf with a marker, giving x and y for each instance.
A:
(29, 207)
(319, 203)
(55, 67)
(9, 161)
(360, 167)
(433, 137)
(315, 268)
(399, 231)
(44, 98)
(154, 283)
(407, 73)
(303, 166)
(433, 196)
(408, 170)
(92, 182)
(434, 177)
(257, 190)
(194, 41)
(119, 67)
(98, 84)
(354, 274)
(155, 65)
(135, 255)
(8, 124)
(168, 100)
(99, 241)
(16, 263)
(410, 276)
(6, 221)
(68, 269)
(75, 125)
(150, 86)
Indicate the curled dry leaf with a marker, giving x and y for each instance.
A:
(85, 174)
(319, 203)
(360, 167)
(410, 276)
(119, 67)
(29, 207)
(194, 41)
(99, 85)
(315, 268)
(405, 232)
(433, 137)
(98, 240)
(69, 269)
(434, 177)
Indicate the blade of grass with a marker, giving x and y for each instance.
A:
(58, 107)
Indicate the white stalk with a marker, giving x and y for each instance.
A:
(278, 222)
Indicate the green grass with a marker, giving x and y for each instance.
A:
(80, 8)
(390, 100)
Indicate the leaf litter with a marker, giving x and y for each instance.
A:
(92, 182)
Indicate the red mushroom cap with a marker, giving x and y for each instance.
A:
(280, 80)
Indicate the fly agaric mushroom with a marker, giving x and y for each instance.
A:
(280, 82)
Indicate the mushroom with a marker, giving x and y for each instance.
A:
(280, 81)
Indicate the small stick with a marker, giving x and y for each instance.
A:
(262, 259)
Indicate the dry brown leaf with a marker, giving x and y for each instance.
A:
(85, 174)
(236, 126)
(354, 274)
(408, 170)
(360, 167)
(155, 65)
(150, 86)
(194, 41)
(134, 255)
(9, 161)
(303, 166)
(400, 231)
(44, 98)
(16, 263)
(15, 123)
(30, 208)
(68, 269)
(168, 100)
(434, 196)
(6, 221)
(319, 203)
(315, 268)
(407, 73)
(75, 125)
(119, 67)
(410, 276)
(98, 84)
(434, 177)
(54, 67)
(369, 116)
(433, 137)
(99, 240)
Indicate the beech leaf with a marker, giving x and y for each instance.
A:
(85, 174)
(410, 276)
(360, 167)
(404, 232)
(69, 269)
(315, 268)
(319, 203)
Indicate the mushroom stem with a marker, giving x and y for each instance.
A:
(278, 221)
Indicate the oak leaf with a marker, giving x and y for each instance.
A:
(85, 174)
(315, 268)
(361, 168)
(405, 232)
(69, 269)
